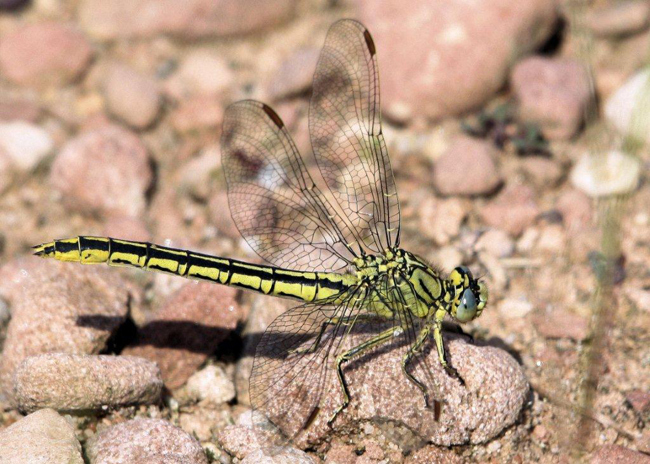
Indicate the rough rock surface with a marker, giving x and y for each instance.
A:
(144, 441)
(58, 307)
(68, 382)
(43, 437)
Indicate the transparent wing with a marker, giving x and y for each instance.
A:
(273, 200)
(346, 135)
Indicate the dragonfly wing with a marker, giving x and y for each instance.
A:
(346, 135)
(273, 200)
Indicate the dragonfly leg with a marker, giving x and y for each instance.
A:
(348, 320)
(350, 354)
(412, 351)
(442, 354)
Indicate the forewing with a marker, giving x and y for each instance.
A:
(346, 135)
(273, 200)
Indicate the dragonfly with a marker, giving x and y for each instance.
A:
(332, 243)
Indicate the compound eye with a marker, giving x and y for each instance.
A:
(466, 310)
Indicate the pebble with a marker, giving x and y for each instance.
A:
(202, 422)
(491, 400)
(197, 114)
(131, 96)
(513, 210)
(127, 228)
(211, 385)
(42, 54)
(448, 257)
(576, 209)
(294, 75)
(560, 323)
(24, 144)
(201, 73)
(19, 110)
(74, 382)
(496, 242)
(467, 167)
(278, 455)
(640, 401)
(58, 307)
(440, 219)
(450, 53)
(544, 173)
(619, 19)
(241, 439)
(187, 329)
(610, 173)
(106, 171)
(144, 441)
(639, 297)
(434, 454)
(515, 307)
(219, 213)
(552, 93)
(119, 19)
(42, 437)
(626, 108)
(609, 454)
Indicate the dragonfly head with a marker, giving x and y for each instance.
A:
(469, 295)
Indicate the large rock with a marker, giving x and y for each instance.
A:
(144, 441)
(439, 59)
(68, 382)
(58, 307)
(43, 437)
(189, 18)
(44, 54)
(187, 329)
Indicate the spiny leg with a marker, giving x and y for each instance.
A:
(350, 354)
(440, 347)
(412, 351)
(347, 321)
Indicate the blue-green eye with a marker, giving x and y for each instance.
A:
(466, 310)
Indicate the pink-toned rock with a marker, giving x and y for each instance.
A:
(44, 54)
(640, 401)
(187, 329)
(198, 114)
(294, 75)
(144, 441)
(75, 382)
(203, 72)
(562, 324)
(552, 93)
(440, 219)
(466, 168)
(58, 307)
(219, 211)
(618, 454)
(126, 227)
(131, 96)
(434, 455)
(543, 172)
(576, 208)
(103, 171)
(619, 19)
(191, 19)
(19, 110)
(450, 53)
(513, 210)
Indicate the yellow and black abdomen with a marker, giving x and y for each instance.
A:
(306, 286)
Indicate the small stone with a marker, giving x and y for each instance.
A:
(25, 144)
(496, 242)
(440, 219)
(106, 170)
(187, 329)
(19, 110)
(294, 75)
(197, 114)
(58, 307)
(552, 93)
(242, 440)
(619, 19)
(562, 324)
(639, 297)
(127, 228)
(466, 168)
(131, 96)
(211, 385)
(515, 307)
(448, 257)
(640, 401)
(191, 19)
(201, 73)
(543, 172)
(609, 454)
(144, 441)
(69, 382)
(513, 210)
(42, 437)
(197, 175)
(44, 54)
(434, 454)
(576, 209)
(611, 173)
(627, 108)
(552, 240)
(202, 422)
(278, 455)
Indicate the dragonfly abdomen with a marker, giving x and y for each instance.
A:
(306, 286)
